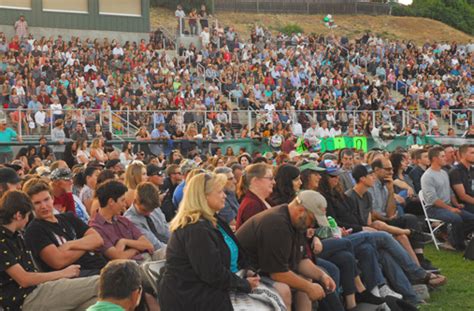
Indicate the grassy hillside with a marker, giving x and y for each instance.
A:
(392, 27)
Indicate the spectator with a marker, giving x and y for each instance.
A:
(88, 181)
(83, 155)
(461, 178)
(441, 203)
(211, 271)
(146, 215)
(58, 241)
(58, 135)
(80, 133)
(255, 186)
(21, 286)
(175, 177)
(119, 286)
(122, 240)
(155, 175)
(6, 136)
(9, 180)
(21, 28)
(134, 175)
(422, 162)
(275, 244)
(231, 207)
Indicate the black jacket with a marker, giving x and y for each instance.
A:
(197, 274)
(345, 215)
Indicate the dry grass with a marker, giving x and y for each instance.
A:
(391, 27)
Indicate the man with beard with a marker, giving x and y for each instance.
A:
(275, 243)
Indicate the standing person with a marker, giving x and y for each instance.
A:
(203, 17)
(180, 15)
(58, 135)
(441, 203)
(193, 22)
(203, 254)
(274, 241)
(6, 136)
(21, 28)
(21, 287)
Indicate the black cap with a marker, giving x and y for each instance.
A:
(9, 175)
(111, 163)
(361, 170)
(152, 170)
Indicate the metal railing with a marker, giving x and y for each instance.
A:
(126, 123)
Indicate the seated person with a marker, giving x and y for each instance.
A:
(58, 241)
(461, 177)
(119, 286)
(275, 242)
(122, 240)
(21, 287)
(145, 213)
(441, 202)
(203, 255)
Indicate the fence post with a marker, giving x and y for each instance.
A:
(110, 121)
(354, 120)
(128, 122)
(20, 123)
(373, 119)
(258, 6)
(404, 121)
(51, 123)
(450, 118)
(249, 119)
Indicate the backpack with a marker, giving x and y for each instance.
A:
(469, 252)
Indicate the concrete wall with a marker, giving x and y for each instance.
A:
(92, 20)
(39, 32)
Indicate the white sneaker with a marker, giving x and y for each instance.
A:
(387, 291)
(375, 291)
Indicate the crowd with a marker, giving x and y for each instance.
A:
(287, 81)
(287, 228)
(333, 230)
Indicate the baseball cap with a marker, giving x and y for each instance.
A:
(312, 167)
(361, 170)
(331, 167)
(152, 170)
(9, 175)
(315, 203)
(61, 174)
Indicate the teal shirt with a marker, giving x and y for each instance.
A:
(6, 137)
(233, 248)
(105, 306)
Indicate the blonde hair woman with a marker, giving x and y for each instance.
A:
(97, 150)
(134, 175)
(202, 254)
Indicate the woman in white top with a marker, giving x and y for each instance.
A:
(83, 156)
(126, 156)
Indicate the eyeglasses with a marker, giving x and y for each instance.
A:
(388, 169)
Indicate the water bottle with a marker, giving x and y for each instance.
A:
(336, 232)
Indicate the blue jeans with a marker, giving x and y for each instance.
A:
(341, 253)
(456, 220)
(398, 267)
(366, 253)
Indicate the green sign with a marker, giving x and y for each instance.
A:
(336, 143)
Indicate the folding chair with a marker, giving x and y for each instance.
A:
(152, 272)
(430, 221)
